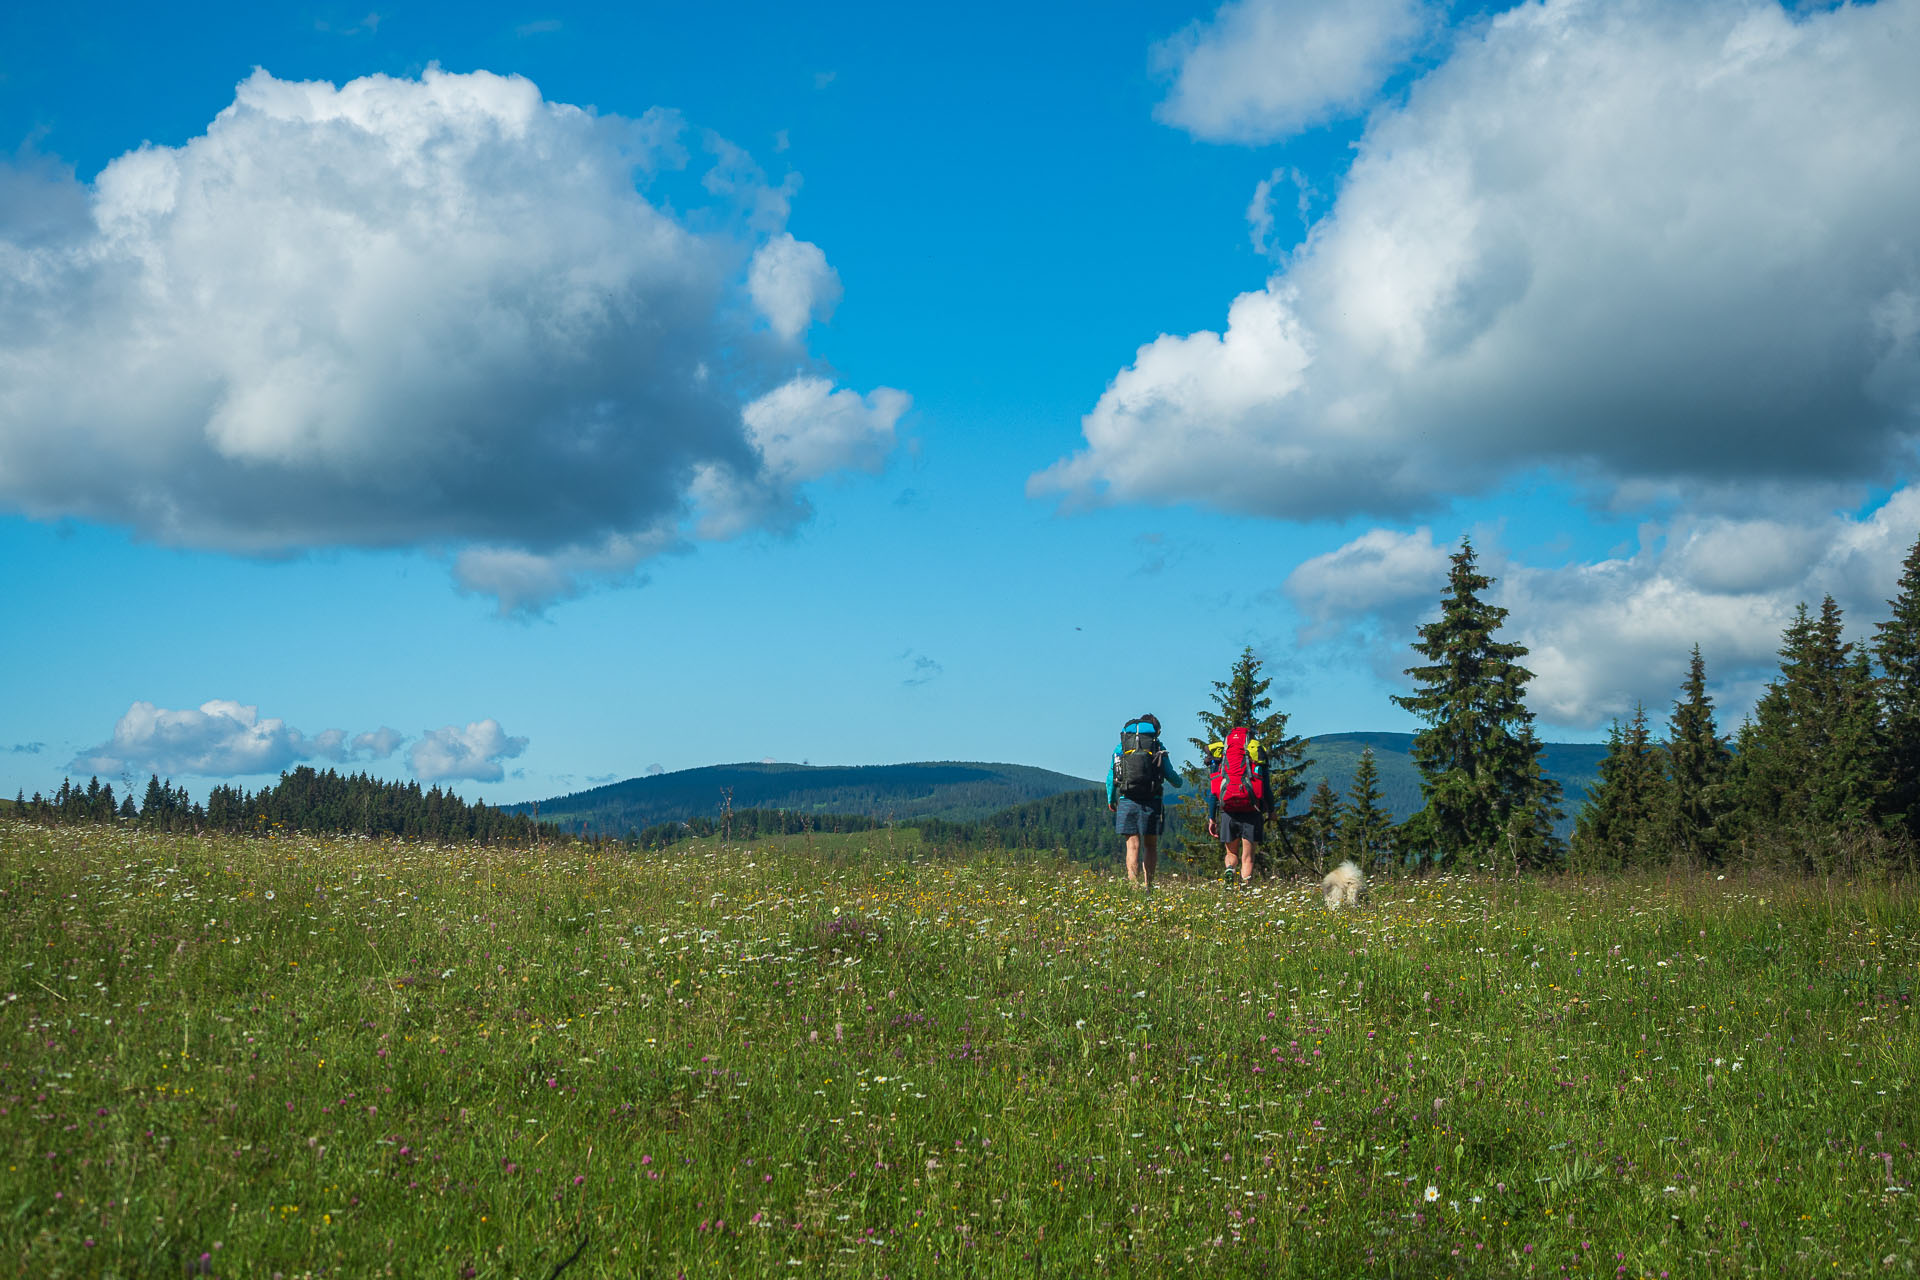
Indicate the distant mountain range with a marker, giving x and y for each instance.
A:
(957, 791)
(972, 791)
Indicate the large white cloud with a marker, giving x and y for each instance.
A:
(436, 312)
(1633, 240)
(1606, 634)
(221, 738)
(1263, 69)
(475, 752)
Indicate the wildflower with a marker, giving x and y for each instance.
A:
(1432, 1194)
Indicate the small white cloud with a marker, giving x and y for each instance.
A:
(1260, 209)
(524, 582)
(329, 744)
(341, 748)
(377, 744)
(1380, 571)
(790, 282)
(26, 748)
(539, 27)
(473, 753)
(1260, 70)
(801, 431)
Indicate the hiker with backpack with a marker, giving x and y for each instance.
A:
(1239, 798)
(1136, 785)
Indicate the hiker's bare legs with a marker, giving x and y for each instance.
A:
(1241, 852)
(1152, 844)
(1133, 859)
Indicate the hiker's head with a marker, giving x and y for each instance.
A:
(1146, 723)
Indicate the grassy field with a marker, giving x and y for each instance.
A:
(340, 1057)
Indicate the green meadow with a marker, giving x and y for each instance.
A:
(856, 1056)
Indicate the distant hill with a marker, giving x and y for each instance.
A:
(953, 790)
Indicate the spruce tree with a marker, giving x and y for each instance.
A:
(1697, 760)
(1480, 777)
(1897, 647)
(1366, 829)
(1619, 826)
(1807, 776)
(1241, 699)
(1532, 833)
(1320, 828)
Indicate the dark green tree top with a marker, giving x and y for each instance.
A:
(1697, 759)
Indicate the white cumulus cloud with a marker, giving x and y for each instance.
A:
(1259, 70)
(475, 752)
(1640, 243)
(800, 431)
(790, 282)
(221, 738)
(436, 313)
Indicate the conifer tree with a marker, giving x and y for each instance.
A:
(1897, 646)
(1619, 826)
(1477, 756)
(1697, 759)
(1532, 837)
(1365, 828)
(1241, 699)
(1320, 828)
(1807, 776)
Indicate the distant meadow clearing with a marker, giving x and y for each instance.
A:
(849, 1055)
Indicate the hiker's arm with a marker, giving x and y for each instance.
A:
(1111, 766)
(1171, 774)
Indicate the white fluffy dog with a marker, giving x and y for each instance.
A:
(1343, 885)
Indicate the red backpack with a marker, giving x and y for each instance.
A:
(1236, 783)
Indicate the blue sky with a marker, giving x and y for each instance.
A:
(525, 397)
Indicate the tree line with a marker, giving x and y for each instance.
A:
(1824, 774)
(304, 800)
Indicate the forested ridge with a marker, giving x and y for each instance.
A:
(954, 790)
(303, 800)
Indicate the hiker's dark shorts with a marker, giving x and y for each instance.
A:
(1134, 818)
(1242, 826)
